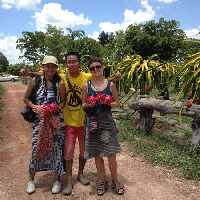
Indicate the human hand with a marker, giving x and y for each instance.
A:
(90, 104)
(118, 76)
(24, 72)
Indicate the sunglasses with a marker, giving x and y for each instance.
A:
(96, 67)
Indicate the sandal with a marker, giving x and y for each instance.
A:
(102, 189)
(117, 190)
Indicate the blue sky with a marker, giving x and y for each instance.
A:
(91, 16)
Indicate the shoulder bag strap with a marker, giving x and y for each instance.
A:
(73, 91)
(37, 80)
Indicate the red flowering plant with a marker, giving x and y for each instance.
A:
(190, 96)
(148, 88)
(49, 108)
(198, 100)
(188, 104)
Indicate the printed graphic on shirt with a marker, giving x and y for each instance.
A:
(72, 100)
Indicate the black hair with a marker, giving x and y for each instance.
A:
(72, 53)
(94, 59)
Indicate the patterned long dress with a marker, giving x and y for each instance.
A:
(103, 142)
(54, 159)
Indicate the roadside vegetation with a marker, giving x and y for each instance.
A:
(1, 105)
(170, 147)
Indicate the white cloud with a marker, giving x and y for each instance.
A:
(193, 33)
(94, 36)
(130, 18)
(54, 15)
(8, 48)
(166, 1)
(21, 4)
(8, 1)
(108, 27)
(6, 6)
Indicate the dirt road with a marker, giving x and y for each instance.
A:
(141, 180)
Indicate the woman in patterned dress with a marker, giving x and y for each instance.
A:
(51, 89)
(100, 133)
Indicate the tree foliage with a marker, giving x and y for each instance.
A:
(32, 45)
(3, 63)
(162, 38)
(55, 42)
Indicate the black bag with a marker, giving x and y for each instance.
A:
(27, 112)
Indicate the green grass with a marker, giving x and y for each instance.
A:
(162, 148)
(1, 105)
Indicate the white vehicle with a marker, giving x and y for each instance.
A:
(9, 77)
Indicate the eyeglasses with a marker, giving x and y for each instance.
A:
(96, 67)
(72, 61)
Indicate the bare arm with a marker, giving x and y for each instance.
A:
(84, 96)
(61, 89)
(25, 72)
(28, 93)
(115, 102)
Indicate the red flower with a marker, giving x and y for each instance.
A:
(165, 71)
(188, 105)
(123, 84)
(148, 88)
(91, 99)
(173, 125)
(189, 96)
(198, 100)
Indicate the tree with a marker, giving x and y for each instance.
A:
(32, 45)
(55, 42)
(162, 38)
(86, 47)
(14, 69)
(73, 40)
(3, 63)
(103, 38)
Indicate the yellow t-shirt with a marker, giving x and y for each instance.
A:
(73, 112)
